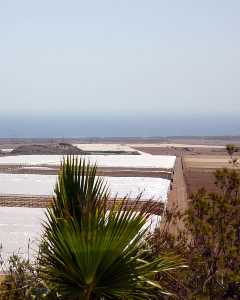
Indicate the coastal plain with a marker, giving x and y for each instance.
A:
(164, 171)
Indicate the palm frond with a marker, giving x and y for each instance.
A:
(93, 251)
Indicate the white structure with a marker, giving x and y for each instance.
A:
(20, 230)
(36, 185)
(107, 161)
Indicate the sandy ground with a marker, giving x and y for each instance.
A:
(194, 168)
(197, 179)
(179, 151)
(199, 171)
(207, 162)
(201, 156)
(206, 141)
(113, 172)
(176, 145)
(199, 165)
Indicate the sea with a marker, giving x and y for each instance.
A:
(108, 125)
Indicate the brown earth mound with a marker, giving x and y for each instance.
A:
(112, 152)
(181, 151)
(47, 149)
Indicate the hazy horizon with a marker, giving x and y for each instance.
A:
(129, 68)
(73, 126)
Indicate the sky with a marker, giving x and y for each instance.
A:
(119, 68)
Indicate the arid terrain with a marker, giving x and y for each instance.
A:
(197, 158)
(197, 161)
(165, 170)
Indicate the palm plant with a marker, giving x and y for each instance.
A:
(92, 251)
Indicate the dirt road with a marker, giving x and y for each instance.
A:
(178, 195)
(177, 200)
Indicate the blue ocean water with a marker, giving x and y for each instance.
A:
(27, 126)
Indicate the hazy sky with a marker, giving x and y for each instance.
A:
(118, 58)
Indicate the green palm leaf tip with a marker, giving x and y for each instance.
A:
(79, 191)
(92, 252)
